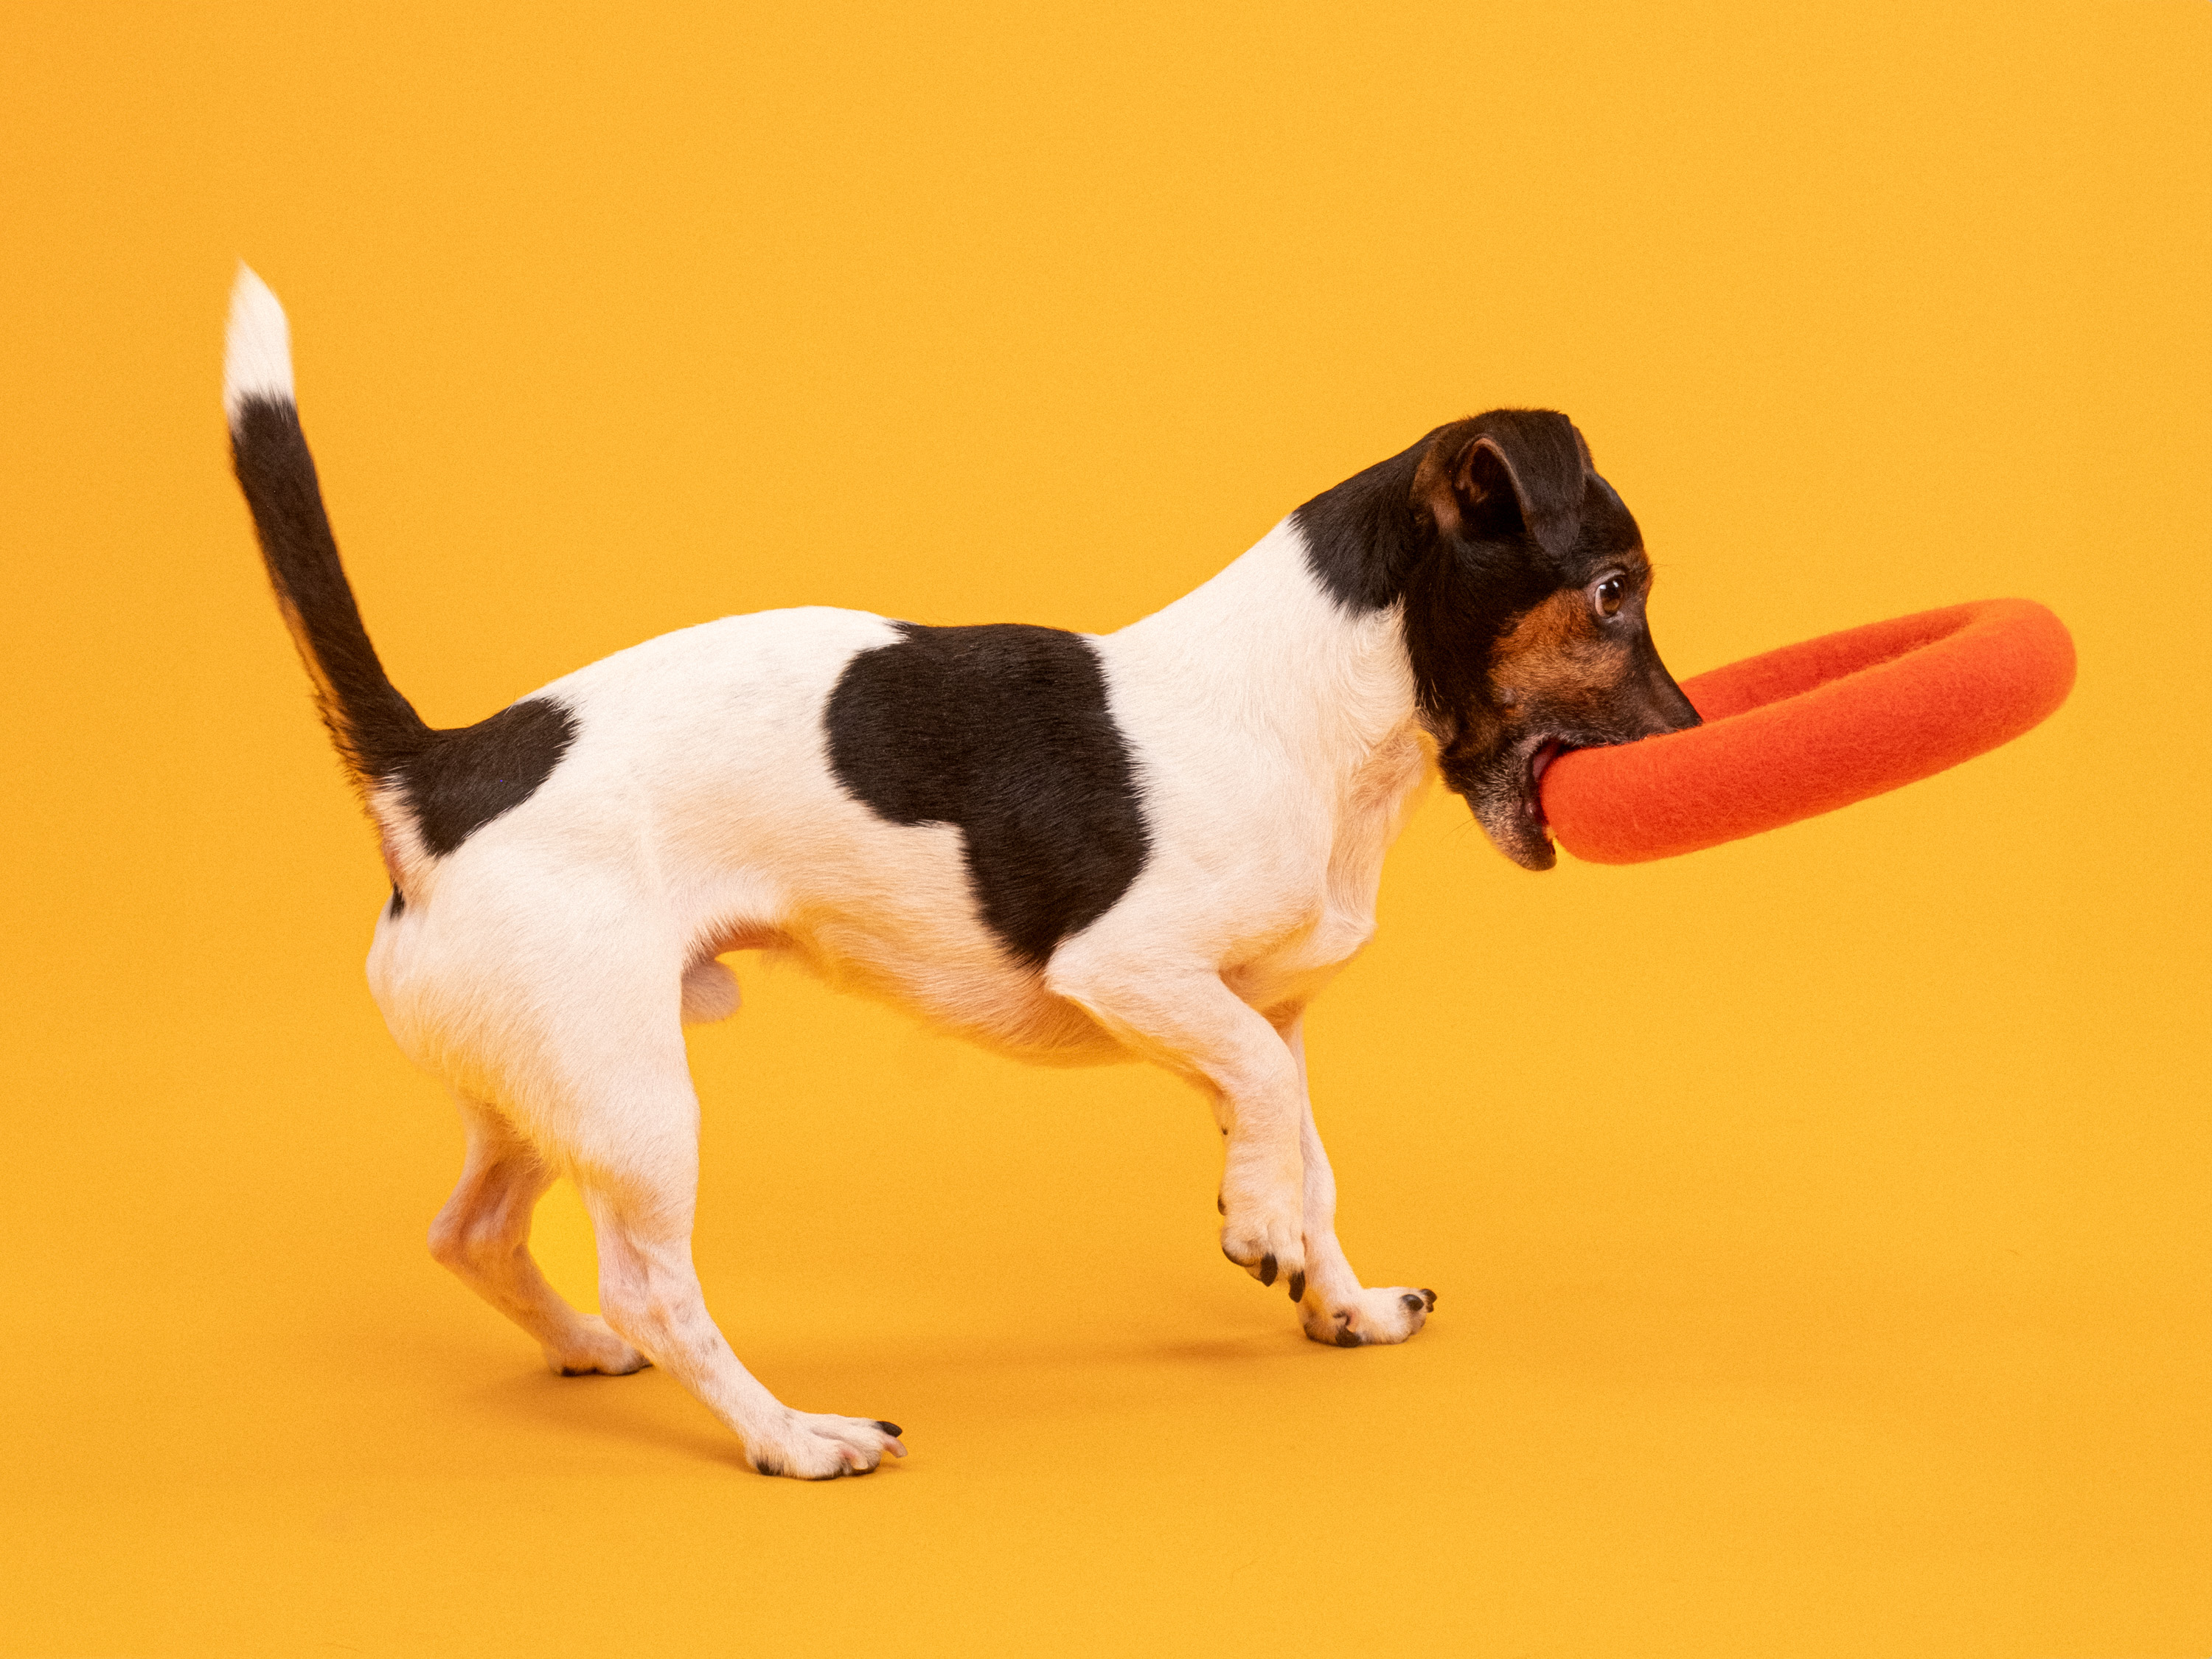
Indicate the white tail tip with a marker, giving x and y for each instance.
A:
(257, 357)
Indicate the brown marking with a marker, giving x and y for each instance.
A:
(1446, 478)
(1556, 653)
(388, 852)
(1433, 489)
(745, 936)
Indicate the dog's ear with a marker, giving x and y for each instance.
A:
(1510, 472)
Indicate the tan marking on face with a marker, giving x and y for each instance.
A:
(1556, 654)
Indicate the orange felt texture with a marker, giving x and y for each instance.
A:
(1815, 726)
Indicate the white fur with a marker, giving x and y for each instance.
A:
(257, 354)
(542, 968)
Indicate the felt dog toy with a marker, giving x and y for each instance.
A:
(1794, 733)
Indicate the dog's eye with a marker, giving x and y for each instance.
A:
(1608, 594)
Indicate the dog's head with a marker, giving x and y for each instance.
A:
(1526, 620)
(1523, 582)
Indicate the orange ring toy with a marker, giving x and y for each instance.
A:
(1815, 726)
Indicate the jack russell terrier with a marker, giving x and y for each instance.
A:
(1160, 842)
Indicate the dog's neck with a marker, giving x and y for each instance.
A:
(1264, 647)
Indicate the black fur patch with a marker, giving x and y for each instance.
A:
(1363, 537)
(1003, 731)
(464, 777)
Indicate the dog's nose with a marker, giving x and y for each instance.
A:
(1665, 708)
(1677, 713)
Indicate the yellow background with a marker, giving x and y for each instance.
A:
(1821, 1222)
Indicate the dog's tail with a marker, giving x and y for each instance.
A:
(377, 730)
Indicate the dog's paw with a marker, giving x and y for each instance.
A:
(1366, 1318)
(593, 1347)
(1266, 1241)
(609, 1356)
(818, 1446)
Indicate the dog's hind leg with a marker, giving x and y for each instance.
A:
(1336, 1308)
(651, 1291)
(615, 1107)
(483, 1236)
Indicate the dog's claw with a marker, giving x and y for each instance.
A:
(1413, 1302)
(1430, 1297)
(1267, 1268)
(1297, 1287)
(1220, 1204)
(890, 1429)
(1347, 1337)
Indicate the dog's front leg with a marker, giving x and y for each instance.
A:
(1187, 1019)
(1336, 1308)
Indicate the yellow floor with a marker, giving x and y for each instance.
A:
(1819, 1222)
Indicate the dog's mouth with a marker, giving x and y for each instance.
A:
(1505, 793)
(1533, 849)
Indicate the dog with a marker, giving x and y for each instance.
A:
(1160, 842)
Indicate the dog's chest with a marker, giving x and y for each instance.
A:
(1337, 918)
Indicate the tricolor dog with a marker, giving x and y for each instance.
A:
(1159, 842)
